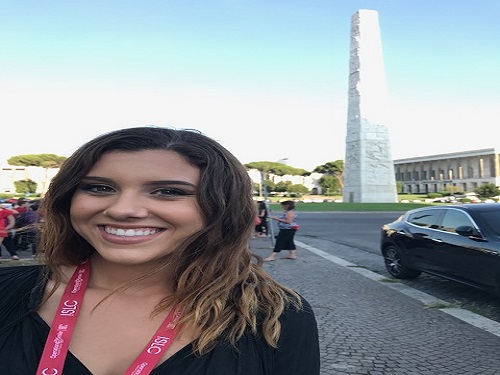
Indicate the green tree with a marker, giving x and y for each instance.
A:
(298, 189)
(487, 190)
(270, 185)
(279, 169)
(283, 186)
(334, 169)
(25, 186)
(399, 186)
(45, 161)
(329, 184)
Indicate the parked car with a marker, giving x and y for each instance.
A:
(459, 242)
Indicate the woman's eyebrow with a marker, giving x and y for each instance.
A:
(170, 182)
(155, 182)
(97, 178)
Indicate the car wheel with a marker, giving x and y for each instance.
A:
(395, 264)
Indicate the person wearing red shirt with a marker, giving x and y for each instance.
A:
(22, 205)
(12, 240)
(7, 222)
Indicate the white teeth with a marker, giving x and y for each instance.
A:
(129, 232)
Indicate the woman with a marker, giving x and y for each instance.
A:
(7, 223)
(287, 228)
(261, 226)
(148, 270)
(27, 232)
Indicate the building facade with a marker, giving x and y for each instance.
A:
(453, 172)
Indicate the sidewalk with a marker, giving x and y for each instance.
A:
(369, 326)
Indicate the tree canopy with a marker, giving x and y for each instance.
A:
(334, 169)
(37, 160)
(487, 190)
(45, 161)
(278, 169)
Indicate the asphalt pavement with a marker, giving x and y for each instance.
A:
(372, 325)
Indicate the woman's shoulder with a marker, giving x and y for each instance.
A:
(16, 272)
(298, 345)
(297, 314)
(17, 282)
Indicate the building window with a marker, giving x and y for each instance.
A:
(470, 172)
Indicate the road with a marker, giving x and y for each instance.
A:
(359, 233)
(360, 230)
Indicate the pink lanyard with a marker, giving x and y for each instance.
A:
(57, 344)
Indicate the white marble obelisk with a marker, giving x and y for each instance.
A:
(368, 165)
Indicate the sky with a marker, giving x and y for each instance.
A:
(267, 79)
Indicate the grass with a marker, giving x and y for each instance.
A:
(347, 207)
(441, 305)
(484, 310)
(352, 207)
(389, 281)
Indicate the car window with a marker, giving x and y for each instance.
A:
(425, 218)
(453, 219)
(491, 219)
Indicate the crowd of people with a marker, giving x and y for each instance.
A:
(19, 227)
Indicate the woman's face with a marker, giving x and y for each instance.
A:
(136, 207)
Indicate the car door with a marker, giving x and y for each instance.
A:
(466, 258)
(419, 241)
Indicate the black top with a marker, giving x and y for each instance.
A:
(23, 334)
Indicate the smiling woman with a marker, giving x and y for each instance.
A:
(145, 242)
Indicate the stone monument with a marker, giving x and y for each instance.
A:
(368, 165)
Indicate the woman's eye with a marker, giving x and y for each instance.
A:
(93, 188)
(170, 192)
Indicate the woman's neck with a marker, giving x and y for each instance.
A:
(139, 279)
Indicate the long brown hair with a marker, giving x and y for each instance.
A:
(221, 289)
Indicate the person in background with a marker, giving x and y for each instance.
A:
(145, 241)
(29, 230)
(21, 206)
(261, 229)
(7, 223)
(287, 226)
(11, 241)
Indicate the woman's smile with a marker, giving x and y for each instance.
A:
(128, 232)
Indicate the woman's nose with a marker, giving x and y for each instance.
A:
(125, 206)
